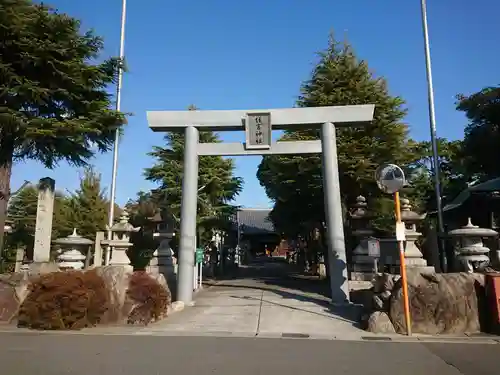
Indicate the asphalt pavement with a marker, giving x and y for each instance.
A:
(245, 326)
(57, 354)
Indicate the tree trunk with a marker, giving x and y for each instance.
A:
(5, 174)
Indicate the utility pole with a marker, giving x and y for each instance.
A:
(435, 154)
(117, 133)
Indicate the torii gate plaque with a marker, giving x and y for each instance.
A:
(258, 125)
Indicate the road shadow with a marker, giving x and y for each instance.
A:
(285, 280)
(348, 314)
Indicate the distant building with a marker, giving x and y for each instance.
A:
(480, 202)
(257, 229)
(255, 221)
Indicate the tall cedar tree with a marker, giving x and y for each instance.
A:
(481, 150)
(54, 103)
(88, 205)
(295, 182)
(217, 185)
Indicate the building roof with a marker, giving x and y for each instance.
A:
(252, 220)
(485, 187)
(255, 221)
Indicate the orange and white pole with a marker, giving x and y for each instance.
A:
(400, 233)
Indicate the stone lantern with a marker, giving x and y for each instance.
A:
(471, 252)
(163, 260)
(7, 228)
(413, 255)
(362, 263)
(20, 252)
(120, 240)
(72, 249)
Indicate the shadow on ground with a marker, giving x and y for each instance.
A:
(276, 276)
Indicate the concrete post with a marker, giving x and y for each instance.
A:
(333, 213)
(99, 237)
(44, 214)
(19, 259)
(189, 202)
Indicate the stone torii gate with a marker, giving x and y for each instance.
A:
(258, 125)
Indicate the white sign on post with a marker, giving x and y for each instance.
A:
(400, 232)
(374, 248)
(374, 252)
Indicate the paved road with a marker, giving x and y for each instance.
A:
(267, 299)
(57, 354)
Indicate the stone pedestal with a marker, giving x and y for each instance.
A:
(44, 213)
(389, 259)
(413, 256)
(40, 268)
(119, 256)
(19, 259)
(163, 261)
(322, 270)
(98, 250)
(362, 267)
(414, 259)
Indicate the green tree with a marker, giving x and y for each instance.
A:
(453, 175)
(482, 134)
(88, 205)
(142, 211)
(54, 97)
(339, 78)
(217, 185)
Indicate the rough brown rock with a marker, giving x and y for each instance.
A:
(116, 280)
(383, 282)
(43, 268)
(439, 303)
(176, 306)
(379, 322)
(78, 299)
(135, 297)
(378, 303)
(13, 290)
(14, 287)
(363, 297)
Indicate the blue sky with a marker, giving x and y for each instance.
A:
(221, 54)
